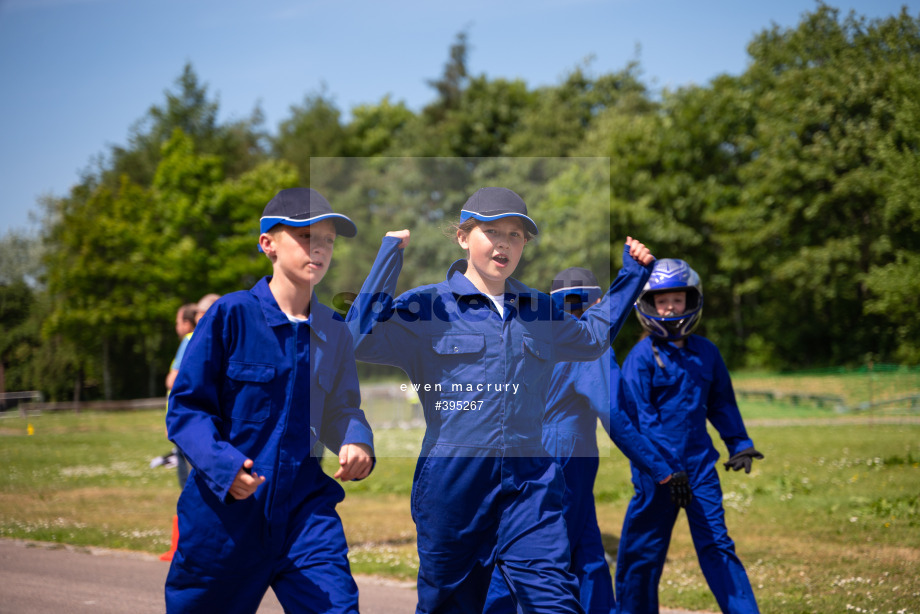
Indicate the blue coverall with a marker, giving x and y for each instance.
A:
(672, 403)
(255, 385)
(580, 394)
(485, 492)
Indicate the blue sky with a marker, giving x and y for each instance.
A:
(76, 74)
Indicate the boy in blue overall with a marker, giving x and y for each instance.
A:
(481, 346)
(267, 373)
(580, 394)
(674, 383)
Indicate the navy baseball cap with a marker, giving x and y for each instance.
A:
(575, 283)
(302, 207)
(489, 204)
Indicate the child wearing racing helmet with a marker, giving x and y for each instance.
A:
(674, 382)
(481, 346)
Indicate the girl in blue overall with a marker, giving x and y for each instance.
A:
(480, 346)
(581, 393)
(267, 374)
(674, 383)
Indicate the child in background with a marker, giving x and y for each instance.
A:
(481, 347)
(185, 324)
(189, 314)
(186, 318)
(267, 373)
(580, 394)
(674, 383)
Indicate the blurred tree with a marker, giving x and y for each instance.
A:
(375, 129)
(452, 82)
(894, 286)
(96, 262)
(136, 237)
(314, 129)
(20, 258)
(470, 117)
(673, 167)
(825, 208)
(240, 144)
(557, 119)
(486, 116)
(16, 300)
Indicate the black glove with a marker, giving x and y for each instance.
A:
(680, 489)
(743, 460)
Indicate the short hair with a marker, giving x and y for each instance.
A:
(205, 303)
(187, 313)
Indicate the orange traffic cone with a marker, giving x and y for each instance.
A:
(168, 556)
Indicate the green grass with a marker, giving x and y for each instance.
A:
(84, 479)
(829, 519)
(828, 522)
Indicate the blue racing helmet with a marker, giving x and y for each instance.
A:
(670, 275)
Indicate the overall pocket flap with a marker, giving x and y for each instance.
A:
(541, 349)
(447, 345)
(249, 372)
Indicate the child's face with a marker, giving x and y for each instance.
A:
(670, 303)
(495, 249)
(301, 253)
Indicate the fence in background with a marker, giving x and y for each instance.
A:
(877, 388)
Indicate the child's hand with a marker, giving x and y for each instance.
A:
(639, 252)
(245, 484)
(355, 461)
(402, 235)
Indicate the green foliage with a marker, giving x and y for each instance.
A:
(788, 188)
(190, 110)
(811, 224)
(16, 336)
(314, 129)
(20, 258)
(556, 123)
(131, 243)
(375, 129)
(791, 188)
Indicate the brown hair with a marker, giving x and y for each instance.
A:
(187, 313)
(469, 224)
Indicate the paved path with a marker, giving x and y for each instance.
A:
(41, 578)
(38, 578)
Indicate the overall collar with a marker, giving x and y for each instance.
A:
(319, 313)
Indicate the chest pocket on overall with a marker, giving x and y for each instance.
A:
(249, 390)
(538, 363)
(458, 359)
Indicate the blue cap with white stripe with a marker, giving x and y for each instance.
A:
(489, 204)
(575, 288)
(302, 207)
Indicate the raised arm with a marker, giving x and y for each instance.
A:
(374, 304)
(589, 337)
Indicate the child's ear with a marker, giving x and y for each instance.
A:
(267, 243)
(463, 239)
